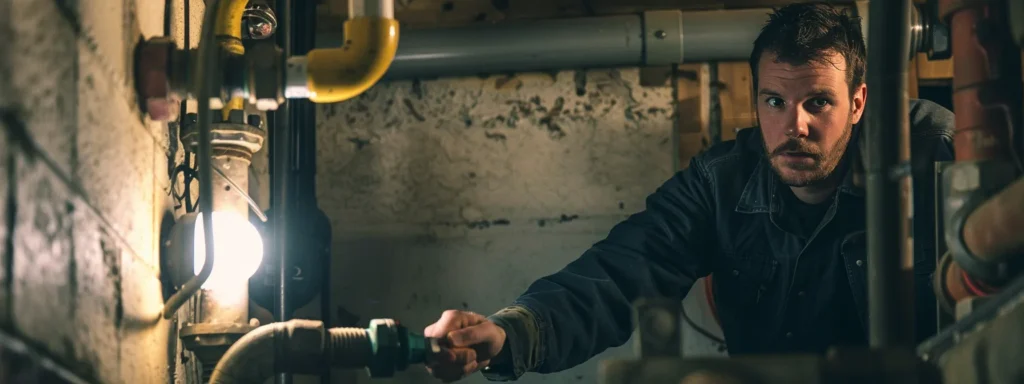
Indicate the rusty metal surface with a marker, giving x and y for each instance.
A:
(153, 66)
(994, 228)
(987, 60)
(987, 97)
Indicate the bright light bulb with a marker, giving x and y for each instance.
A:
(238, 250)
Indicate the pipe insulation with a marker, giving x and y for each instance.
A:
(650, 39)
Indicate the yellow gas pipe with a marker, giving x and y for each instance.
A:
(334, 74)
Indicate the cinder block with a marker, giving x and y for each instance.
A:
(116, 154)
(144, 343)
(107, 26)
(6, 52)
(6, 187)
(68, 264)
(43, 273)
(45, 77)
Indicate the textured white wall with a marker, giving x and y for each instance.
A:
(458, 193)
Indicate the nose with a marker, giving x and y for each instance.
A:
(799, 123)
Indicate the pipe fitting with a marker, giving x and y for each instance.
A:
(236, 134)
(968, 184)
(159, 67)
(339, 74)
(228, 26)
(209, 341)
(306, 347)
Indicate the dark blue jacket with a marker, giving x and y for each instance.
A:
(775, 289)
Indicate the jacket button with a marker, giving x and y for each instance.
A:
(735, 272)
(801, 293)
(789, 335)
(860, 263)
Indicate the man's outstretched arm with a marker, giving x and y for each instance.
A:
(572, 315)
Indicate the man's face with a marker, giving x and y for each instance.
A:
(806, 114)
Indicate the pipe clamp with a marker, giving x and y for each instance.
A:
(663, 37)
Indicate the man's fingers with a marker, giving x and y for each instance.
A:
(462, 362)
(451, 320)
(470, 336)
(464, 356)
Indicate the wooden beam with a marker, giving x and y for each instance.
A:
(912, 79)
(735, 94)
(693, 90)
(933, 69)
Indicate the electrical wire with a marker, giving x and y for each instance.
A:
(207, 62)
(252, 203)
(700, 329)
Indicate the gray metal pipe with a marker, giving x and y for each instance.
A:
(886, 145)
(651, 39)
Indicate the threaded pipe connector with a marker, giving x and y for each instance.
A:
(349, 347)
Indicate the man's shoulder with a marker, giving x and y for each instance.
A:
(732, 157)
(931, 120)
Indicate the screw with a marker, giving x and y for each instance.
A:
(660, 34)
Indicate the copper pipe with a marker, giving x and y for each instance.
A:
(986, 79)
(993, 230)
(987, 98)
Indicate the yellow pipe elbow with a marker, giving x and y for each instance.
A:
(339, 74)
(228, 25)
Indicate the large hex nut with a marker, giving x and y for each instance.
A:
(153, 69)
(388, 351)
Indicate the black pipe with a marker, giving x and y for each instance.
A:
(890, 284)
(303, 196)
(281, 177)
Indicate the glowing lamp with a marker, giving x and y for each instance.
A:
(238, 249)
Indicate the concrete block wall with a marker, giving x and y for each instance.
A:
(458, 193)
(85, 190)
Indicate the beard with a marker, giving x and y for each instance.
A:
(823, 161)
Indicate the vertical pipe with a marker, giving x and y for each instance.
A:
(987, 97)
(890, 284)
(303, 123)
(281, 155)
(986, 80)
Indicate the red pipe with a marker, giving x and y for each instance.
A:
(986, 79)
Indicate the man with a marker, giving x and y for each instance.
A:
(774, 215)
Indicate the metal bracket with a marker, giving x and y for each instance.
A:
(663, 37)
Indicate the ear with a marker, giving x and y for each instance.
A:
(858, 100)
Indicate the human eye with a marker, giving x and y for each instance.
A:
(774, 102)
(819, 103)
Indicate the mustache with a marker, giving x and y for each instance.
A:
(799, 146)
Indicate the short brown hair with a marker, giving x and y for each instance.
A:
(807, 32)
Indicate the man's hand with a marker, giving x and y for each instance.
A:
(473, 340)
